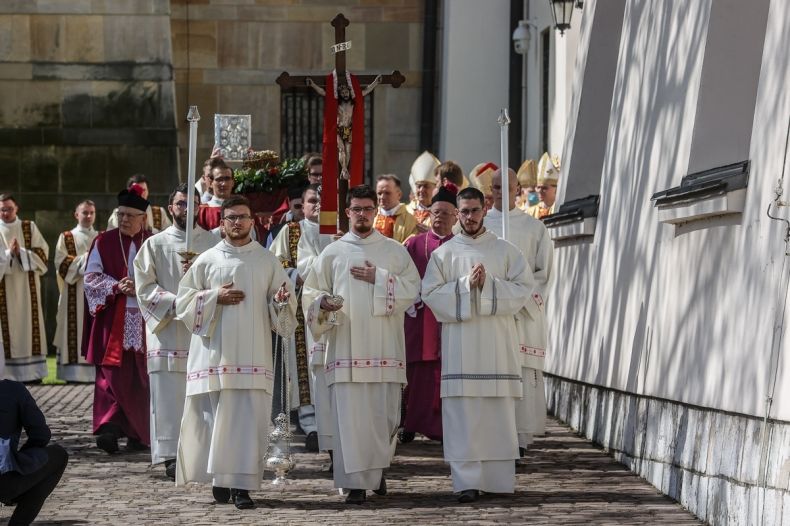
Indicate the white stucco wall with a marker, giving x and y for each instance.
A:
(474, 86)
(684, 314)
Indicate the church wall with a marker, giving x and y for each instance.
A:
(86, 99)
(662, 342)
(228, 53)
(474, 80)
(94, 91)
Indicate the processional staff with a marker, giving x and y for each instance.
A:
(504, 120)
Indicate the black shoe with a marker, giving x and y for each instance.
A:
(170, 469)
(107, 442)
(241, 499)
(468, 495)
(221, 495)
(135, 445)
(522, 451)
(404, 437)
(355, 496)
(311, 442)
(382, 487)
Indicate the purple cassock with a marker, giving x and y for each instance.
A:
(423, 351)
(114, 339)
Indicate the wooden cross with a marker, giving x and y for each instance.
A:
(299, 82)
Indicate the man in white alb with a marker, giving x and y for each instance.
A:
(230, 301)
(475, 284)
(366, 357)
(158, 268)
(532, 238)
(71, 253)
(21, 310)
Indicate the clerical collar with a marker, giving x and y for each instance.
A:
(84, 230)
(437, 236)
(391, 212)
(480, 233)
(215, 201)
(421, 206)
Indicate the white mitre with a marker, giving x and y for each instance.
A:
(423, 169)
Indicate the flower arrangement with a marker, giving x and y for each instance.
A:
(262, 171)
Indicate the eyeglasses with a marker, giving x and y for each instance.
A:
(6, 210)
(359, 210)
(470, 211)
(235, 219)
(442, 213)
(315, 174)
(223, 179)
(124, 215)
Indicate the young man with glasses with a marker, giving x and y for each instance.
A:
(475, 284)
(230, 299)
(21, 314)
(158, 268)
(114, 334)
(210, 213)
(365, 352)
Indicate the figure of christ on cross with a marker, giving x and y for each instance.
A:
(344, 138)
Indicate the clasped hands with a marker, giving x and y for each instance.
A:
(126, 286)
(477, 277)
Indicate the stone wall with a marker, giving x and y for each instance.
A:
(92, 91)
(86, 99)
(710, 461)
(228, 53)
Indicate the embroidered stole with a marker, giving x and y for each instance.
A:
(71, 307)
(31, 281)
(302, 374)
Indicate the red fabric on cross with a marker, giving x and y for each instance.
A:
(329, 204)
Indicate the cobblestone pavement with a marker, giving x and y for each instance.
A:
(565, 480)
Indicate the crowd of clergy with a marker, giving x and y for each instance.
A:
(421, 319)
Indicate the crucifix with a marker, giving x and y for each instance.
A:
(344, 126)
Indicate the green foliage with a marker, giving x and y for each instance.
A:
(270, 177)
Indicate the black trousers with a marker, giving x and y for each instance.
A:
(30, 491)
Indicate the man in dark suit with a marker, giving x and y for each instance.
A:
(30, 473)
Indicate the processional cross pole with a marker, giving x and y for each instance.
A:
(343, 139)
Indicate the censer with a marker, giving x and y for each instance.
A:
(278, 454)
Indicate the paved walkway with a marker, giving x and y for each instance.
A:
(565, 480)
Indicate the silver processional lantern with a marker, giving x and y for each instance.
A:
(562, 12)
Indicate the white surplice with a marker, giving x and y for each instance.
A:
(157, 272)
(224, 430)
(365, 351)
(70, 267)
(532, 238)
(21, 314)
(480, 362)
